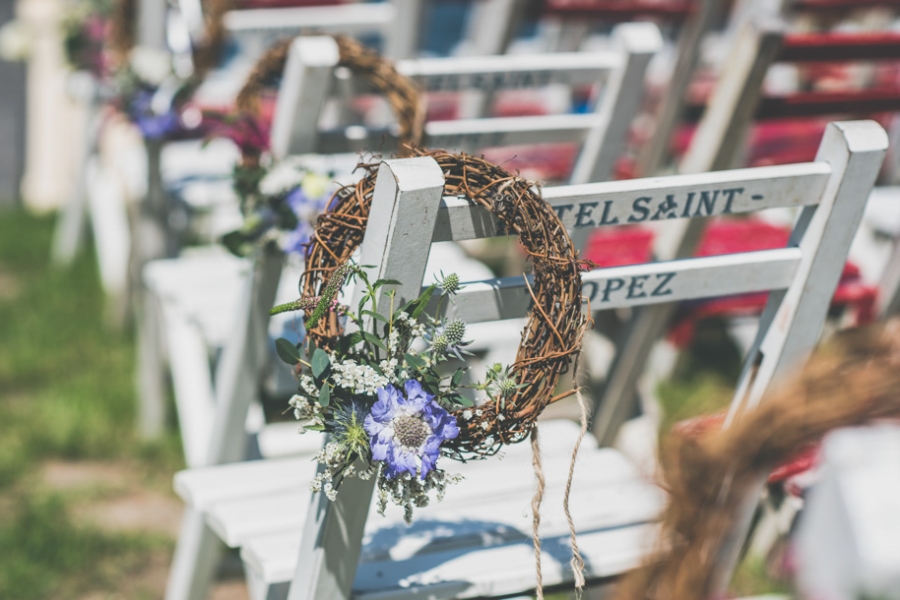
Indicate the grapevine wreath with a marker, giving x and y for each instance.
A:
(552, 336)
(281, 199)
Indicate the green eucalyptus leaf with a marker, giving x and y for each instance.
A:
(463, 401)
(414, 360)
(421, 303)
(354, 338)
(325, 396)
(320, 362)
(287, 351)
(457, 377)
(373, 339)
(374, 315)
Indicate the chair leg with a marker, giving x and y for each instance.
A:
(152, 407)
(196, 558)
(261, 590)
(112, 236)
(70, 225)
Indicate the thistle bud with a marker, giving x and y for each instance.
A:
(450, 284)
(455, 330)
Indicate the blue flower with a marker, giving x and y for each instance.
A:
(406, 432)
(153, 126)
(306, 207)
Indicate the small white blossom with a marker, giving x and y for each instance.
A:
(151, 65)
(360, 379)
(283, 177)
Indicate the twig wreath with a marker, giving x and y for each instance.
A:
(552, 336)
(400, 92)
(281, 200)
(851, 381)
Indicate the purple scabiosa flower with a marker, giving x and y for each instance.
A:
(306, 205)
(153, 126)
(406, 432)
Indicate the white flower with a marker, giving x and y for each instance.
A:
(281, 178)
(151, 65)
(15, 41)
(360, 379)
(467, 415)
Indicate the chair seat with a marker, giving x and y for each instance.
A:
(455, 545)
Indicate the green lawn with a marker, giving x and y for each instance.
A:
(66, 393)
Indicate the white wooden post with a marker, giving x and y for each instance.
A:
(192, 13)
(304, 90)
(792, 321)
(490, 29)
(492, 25)
(398, 239)
(889, 286)
(70, 227)
(236, 383)
(151, 23)
(620, 102)
(402, 39)
(668, 116)
(714, 147)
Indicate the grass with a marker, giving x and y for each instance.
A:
(66, 392)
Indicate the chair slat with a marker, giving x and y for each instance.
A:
(350, 18)
(236, 522)
(655, 199)
(637, 285)
(607, 552)
(840, 46)
(492, 73)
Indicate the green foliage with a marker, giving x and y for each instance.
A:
(44, 551)
(66, 392)
(287, 351)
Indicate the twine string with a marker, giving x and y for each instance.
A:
(536, 511)
(577, 560)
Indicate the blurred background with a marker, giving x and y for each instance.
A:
(87, 510)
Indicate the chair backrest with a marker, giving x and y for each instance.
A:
(311, 72)
(802, 276)
(245, 352)
(695, 18)
(396, 22)
(717, 144)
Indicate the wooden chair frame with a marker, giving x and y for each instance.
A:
(310, 76)
(802, 277)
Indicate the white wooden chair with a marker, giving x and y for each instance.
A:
(311, 71)
(216, 408)
(301, 98)
(718, 143)
(459, 550)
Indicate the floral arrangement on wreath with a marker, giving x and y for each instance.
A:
(86, 25)
(379, 381)
(281, 201)
(386, 392)
(151, 92)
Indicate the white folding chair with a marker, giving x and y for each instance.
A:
(304, 90)
(459, 550)
(311, 71)
(302, 94)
